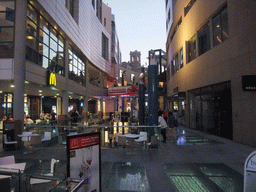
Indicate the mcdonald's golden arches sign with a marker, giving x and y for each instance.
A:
(51, 78)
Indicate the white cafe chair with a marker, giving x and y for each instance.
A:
(7, 160)
(47, 136)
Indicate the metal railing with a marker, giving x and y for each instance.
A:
(39, 157)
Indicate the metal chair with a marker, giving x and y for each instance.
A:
(13, 144)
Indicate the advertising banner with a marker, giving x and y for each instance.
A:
(124, 91)
(84, 160)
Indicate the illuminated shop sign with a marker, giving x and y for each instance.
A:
(249, 82)
(123, 91)
(51, 78)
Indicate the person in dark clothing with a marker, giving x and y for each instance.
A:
(74, 115)
(172, 124)
(53, 117)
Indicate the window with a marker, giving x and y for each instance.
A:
(204, 39)
(105, 22)
(120, 73)
(191, 47)
(220, 27)
(70, 6)
(45, 46)
(176, 28)
(7, 19)
(76, 69)
(93, 4)
(99, 10)
(181, 58)
(104, 47)
(176, 63)
(188, 7)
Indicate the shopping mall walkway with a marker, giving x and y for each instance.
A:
(193, 162)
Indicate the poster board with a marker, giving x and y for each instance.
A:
(84, 160)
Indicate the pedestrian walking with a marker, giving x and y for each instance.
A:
(172, 124)
(163, 124)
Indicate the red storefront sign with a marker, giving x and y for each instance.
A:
(124, 91)
(85, 141)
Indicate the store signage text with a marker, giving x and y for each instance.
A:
(125, 90)
(79, 142)
(249, 82)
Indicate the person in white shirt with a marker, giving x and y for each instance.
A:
(28, 120)
(163, 125)
(42, 115)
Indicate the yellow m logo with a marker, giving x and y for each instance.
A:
(52, 79)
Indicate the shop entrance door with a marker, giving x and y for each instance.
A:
(34, 108)
(211, 110)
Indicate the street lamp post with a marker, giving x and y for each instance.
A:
(142, 98)
(122, 119)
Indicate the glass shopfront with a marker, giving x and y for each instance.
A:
(210, 109)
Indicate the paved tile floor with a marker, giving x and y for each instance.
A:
(194, 161)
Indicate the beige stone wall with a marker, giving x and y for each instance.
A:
(227, 61)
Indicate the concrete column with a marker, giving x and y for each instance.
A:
(86, 85)
(102, 89)
(65, 101)
(19, 59)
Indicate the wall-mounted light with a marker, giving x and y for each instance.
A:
(12, 86)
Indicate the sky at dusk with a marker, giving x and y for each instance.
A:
(140, 26)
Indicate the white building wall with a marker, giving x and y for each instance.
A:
(87, 35)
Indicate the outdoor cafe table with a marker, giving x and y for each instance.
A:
(28, 135)
(131, 136)
(14, 168)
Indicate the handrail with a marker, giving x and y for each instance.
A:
(78, 186)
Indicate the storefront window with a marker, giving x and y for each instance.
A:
(210, 109)
(7, 18)
(175, 105)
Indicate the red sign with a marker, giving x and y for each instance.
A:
(79, 142)
(126, 91)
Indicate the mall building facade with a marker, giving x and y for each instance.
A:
(211, 56)
(53, 54)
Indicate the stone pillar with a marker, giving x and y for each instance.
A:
(65, 101)
(86, 85)
(19, 59)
